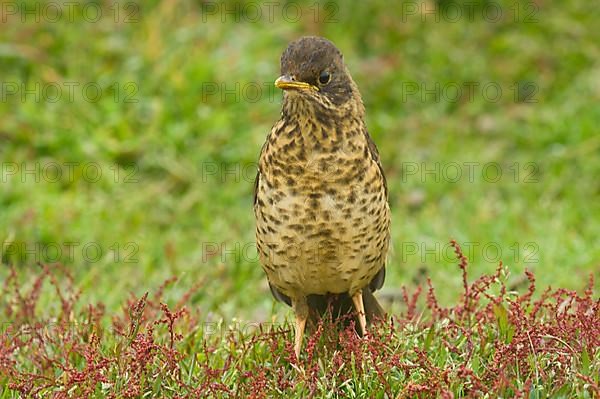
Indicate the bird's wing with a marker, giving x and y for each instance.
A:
(256, 181)
(375, 155)
(279, 295)
(256, 186)
(377, 281)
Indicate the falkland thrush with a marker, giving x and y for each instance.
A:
(322, 214)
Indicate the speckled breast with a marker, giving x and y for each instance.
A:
(321, 210)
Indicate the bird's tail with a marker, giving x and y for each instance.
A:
(341, 309)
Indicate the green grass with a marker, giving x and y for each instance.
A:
(165, 211)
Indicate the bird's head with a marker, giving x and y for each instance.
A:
(313, 74)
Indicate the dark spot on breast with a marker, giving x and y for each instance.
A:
(301, 156)
(352, 197)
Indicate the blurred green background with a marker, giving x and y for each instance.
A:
(129, 134)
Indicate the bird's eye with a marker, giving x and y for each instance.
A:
(324, 77)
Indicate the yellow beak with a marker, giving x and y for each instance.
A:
(285, 82)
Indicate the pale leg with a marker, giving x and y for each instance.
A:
(301, 310)
(357, 299)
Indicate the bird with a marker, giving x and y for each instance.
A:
(320, 194)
